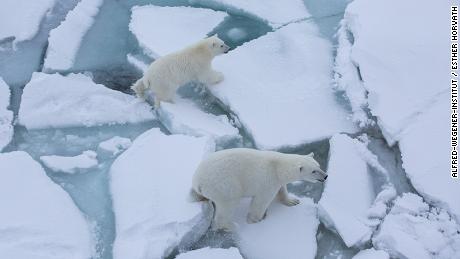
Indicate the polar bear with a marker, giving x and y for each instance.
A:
(226, 176)
(166, 74)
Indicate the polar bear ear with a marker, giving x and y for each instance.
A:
(311, 154)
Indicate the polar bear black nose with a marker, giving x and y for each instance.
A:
(325, 177)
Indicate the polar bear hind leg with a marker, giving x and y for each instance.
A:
(223, 215)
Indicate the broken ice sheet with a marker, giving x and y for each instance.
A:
(38, 218)
(178, 27)
(6, 116)
(354, 215)
(150, 184)
(72, 164)
(211, 253)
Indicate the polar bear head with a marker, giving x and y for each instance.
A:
(216, 45)
(309, 169)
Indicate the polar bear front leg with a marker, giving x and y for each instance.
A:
(212, 77)
(285, 198)
(223, 215)
(259, 206)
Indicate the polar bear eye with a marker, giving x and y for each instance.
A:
(301, 168)
(221, 46)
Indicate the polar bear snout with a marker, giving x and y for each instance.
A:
(321, 176)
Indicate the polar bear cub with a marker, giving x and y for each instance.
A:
(226, 176)
(166, 74)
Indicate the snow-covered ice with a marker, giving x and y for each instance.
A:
(178, 27)
(280, 89)
(150, 184)
(353, 214)
(427, 165)
(371, 253)
(53, 100)
(21, 19)
(184, 117)
(71, 164)
(402, 78)
(211, 253)
(414, 230)
(38, 218)
(6, 116)
(286, 232)
(65, 40)
(275, 12)
(114, 146)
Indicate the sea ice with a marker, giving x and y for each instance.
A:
(371, 253)
(38, 218)
(276, 13)
(150, 184)
(6, 116)
(280, 90)
(286, 232)
(414, 230)
(65, 40)
(114, 146)
(71, 164)
(20, 19)
(184, 117)
(53, 101)
(177, 27)
(211, 253)
(401, 79)
(354, 215)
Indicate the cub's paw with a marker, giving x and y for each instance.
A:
(217, 78)
(251, 219)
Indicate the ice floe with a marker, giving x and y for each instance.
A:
(150, 184)
(286, 232)
(65, 40)
(53, 101)
(71, 164)
(371, 253)
(38, 218)
(177, 27)
(211, 253)
(6, 116)
(414, 230)
(185, 117)
(354, 215)
(280, 90)
(20, 19)
(114, 146)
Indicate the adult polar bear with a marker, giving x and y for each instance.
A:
(226, 176)
(166, 74)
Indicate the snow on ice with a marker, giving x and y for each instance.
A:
(355, 214)
(150, 184)
(53, 101)
(371, 253)
(280, 90)
(414, 230)
(6, 116)
(65, 40)
(178, 27)
(286, 232)
(114, 146)
(211, 253)
(276, 13)
(184, 117)
(71, 164)
(20, 19)
(38, 218)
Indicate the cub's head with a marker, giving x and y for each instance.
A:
(309, 170)
(216, 45)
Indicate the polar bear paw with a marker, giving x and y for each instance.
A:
(251, 219)
(291, 202)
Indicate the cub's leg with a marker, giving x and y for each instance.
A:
(212, 77)
(223, 215)
(285, 198)
(259, 206)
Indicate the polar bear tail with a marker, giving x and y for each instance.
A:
(196, 197)
(139, 88)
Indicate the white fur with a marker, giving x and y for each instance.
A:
(227, 176)
(166, 74)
